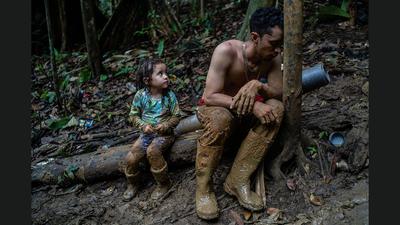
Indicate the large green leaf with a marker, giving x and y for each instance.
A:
(59, 123)
(84, 75)
(331, 10)
(160, 48)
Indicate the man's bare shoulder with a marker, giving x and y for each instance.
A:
(227, 48)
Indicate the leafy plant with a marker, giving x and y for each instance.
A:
(333, 10)
(312, 150)
(160, 48)
(125, 70)
(84, 75)
(103, 77)
(48, 96)
(323, 135)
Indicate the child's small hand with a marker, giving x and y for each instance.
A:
(161, 128)
(148, 129)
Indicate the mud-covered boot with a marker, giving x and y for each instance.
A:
(132, 186)
(207, 159)
(249, 156)
(163, 182)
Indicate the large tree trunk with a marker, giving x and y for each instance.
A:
(106, 164)
(92, 43)
(52, 56)
(244, 32)
(292, 87)
(154, 19)
(128, 17)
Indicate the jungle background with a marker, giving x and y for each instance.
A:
(83, 81)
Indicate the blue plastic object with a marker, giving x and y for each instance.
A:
(314, 77)
(336, 139)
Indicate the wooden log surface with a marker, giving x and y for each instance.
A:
(106, 163)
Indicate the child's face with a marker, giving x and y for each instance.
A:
(159, 78)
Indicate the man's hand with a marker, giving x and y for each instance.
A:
(243, 101)
(148, 129)
(265, 113)
(161, 128)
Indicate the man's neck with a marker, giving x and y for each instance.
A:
(252, 58)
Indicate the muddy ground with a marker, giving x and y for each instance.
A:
(341, 106)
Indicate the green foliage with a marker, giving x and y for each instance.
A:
(312, 150)
(64, 82)
(59, 57)
(125, 70)
(84, 75)
(335, 11)
(103, 77)
(160, 48)
(48, 96)
(323, 135)
(105, 7)
(57, 124)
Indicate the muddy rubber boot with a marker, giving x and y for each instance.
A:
(237, 183)
(162, 180)
(207, 159)
(132, 186)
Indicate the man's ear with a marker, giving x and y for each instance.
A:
(254, 37)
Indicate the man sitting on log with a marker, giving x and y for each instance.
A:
(244, 88)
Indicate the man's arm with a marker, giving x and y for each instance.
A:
(274, 87)
(220, 62)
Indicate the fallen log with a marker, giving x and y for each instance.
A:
(106, 163)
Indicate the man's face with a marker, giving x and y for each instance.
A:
(269, 45)
(159, 78)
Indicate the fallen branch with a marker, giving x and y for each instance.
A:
(104, 164)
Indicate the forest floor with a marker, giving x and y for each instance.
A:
(341, 106)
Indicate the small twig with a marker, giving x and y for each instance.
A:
(78, 187)
(229, 207)
(320, 159)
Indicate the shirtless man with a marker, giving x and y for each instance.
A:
(233, 92)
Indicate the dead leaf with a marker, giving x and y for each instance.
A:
(274, 213)
(291, 184)
(246, 214)
(235, 216)
(316, 200)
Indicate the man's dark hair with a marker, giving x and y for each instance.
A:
(264, 19)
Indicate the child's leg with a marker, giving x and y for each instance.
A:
(133, 159)
(158, 164)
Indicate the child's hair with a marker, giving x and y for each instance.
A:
(145, 71)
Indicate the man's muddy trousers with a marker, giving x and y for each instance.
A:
(218, 124)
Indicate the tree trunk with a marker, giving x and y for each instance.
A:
(106, 164)
(202, 9)
(63, 23)
(244, 32)
(92, 43)
(292, 87)
(52, 56)
(128, 17)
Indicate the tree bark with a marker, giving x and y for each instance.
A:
(63, 23)
(292, 87)
(244, 32)
(106, 164)
(52, 56)
(92, 43)
(128, 17)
